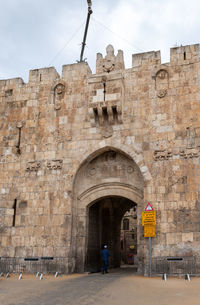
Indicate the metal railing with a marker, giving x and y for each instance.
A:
(175, 265)
(33, 265)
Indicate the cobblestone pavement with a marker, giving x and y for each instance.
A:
(115, 288)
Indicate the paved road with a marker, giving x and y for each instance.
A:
(116, 288)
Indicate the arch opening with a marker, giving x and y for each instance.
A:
(105, 227)
(105, 188)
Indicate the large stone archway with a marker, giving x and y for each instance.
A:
(112, 175)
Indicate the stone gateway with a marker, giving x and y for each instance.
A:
(78, 151)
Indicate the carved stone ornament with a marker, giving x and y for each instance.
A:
(8, 158)
(55, 164)
(162, 74)
(107, 131)
(60, 91)
(161, 93)
(109, 61)
(160, 155)
(19, 124)
(109, 164)
(130, 169)
(61, 135)
(33, 166)
(92, 171)
(57, 106)
(162, 83)
(174, 180)
(108, 65)
(188, 153)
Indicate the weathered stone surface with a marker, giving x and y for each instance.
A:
(67, 142)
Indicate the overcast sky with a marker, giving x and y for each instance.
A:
(41, 33)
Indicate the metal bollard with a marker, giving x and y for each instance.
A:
(56, 274)
(187, 277)
(41, 276)
(164, 277)
(7, 275)
(37, 274)
(20, 276)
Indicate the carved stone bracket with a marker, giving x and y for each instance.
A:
(105, 115)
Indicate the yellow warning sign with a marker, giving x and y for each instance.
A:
(149, 218)
(149, 231)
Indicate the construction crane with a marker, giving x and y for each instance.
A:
(86, 29)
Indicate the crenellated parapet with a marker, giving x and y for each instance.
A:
(146, 59)
(178, 56)
(185, 54)
(109, 64)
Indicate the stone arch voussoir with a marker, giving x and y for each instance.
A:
(130, 151)
(110, 190)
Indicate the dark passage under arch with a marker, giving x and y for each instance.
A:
(104, 227)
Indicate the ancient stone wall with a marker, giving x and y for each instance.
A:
(53, 124)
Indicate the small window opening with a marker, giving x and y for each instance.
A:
(40, 77)
(15, 209)
(184, 55)
(19, 142)
(96, 117)
(9, 92)
(105, 114)
(126, 224)
(115, 114)
(104, 91)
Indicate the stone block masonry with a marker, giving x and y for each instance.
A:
(69, 141)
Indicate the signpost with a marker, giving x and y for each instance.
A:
(149, 224)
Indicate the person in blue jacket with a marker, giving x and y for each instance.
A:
(105, 255)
